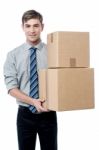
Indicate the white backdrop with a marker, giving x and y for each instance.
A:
(77, 130)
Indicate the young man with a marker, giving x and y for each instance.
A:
(32, 118)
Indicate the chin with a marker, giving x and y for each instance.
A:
(35, 41)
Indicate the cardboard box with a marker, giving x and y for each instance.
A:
(43, 86)
(67, 89)
(68, 49)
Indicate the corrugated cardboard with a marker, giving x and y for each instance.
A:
(68, 88)
(68, 49)
(43, 86)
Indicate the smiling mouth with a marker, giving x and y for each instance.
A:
(32, 35)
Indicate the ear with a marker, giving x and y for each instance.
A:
(22, 26)
(42, 27)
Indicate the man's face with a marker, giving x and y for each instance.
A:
(32, 29)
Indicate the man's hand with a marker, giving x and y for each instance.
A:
(38, 105)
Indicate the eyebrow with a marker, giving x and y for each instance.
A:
(30, 24)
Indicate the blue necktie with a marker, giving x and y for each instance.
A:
(34, 88)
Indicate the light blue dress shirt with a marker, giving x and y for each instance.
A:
(17, 67)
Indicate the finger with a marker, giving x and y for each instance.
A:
(42, 108)
(42, 100)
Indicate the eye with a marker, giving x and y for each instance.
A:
(36, 25)
(27, 25)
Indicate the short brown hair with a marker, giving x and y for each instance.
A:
(31, 14)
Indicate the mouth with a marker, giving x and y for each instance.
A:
(32, 35)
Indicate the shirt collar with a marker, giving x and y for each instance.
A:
(39, 46)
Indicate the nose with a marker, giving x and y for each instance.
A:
(32, 29)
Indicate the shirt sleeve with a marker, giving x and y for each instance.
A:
(10, 72)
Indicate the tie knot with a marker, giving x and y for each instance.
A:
(33, 49)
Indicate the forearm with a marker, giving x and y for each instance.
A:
(15, 92)
(21, 96)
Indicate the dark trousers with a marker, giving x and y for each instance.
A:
(29, 124)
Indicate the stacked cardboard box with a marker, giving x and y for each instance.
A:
(68, 83)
